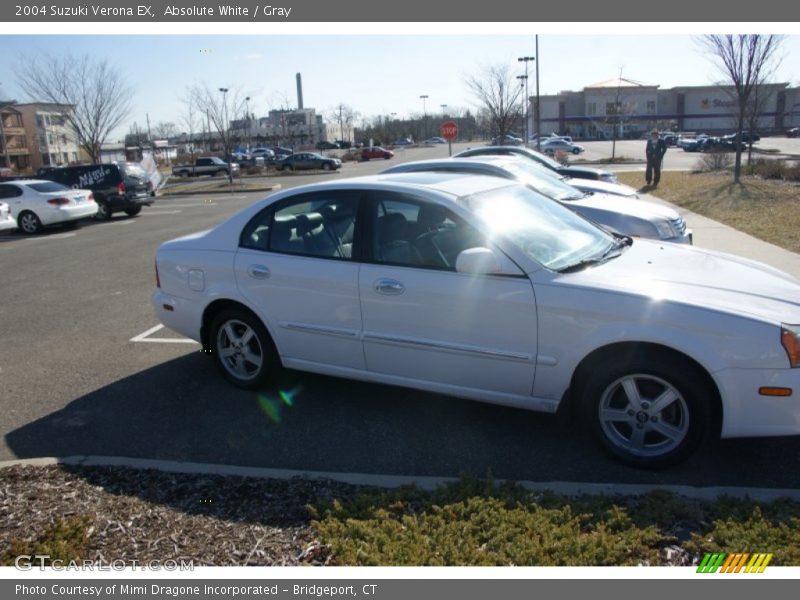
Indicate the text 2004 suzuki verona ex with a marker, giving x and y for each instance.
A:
(479, 287)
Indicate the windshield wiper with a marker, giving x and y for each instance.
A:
(609, 253)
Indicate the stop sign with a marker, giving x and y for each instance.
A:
(449, 130)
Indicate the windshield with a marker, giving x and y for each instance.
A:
(543, 181)
(546, 231)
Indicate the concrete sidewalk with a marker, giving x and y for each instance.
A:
(717, 236)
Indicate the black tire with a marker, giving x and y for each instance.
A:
(686, 417)
(576, 151)
(288, 167)
(237, 362)
(326, 166)
(103, 211)
(28, 222)
(132, 212)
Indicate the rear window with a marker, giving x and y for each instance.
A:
(50, 186)
(134, 170)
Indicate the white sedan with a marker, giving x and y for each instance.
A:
(482, 288)
(37, 203)
(6, 220)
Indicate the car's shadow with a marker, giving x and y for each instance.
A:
(182, 410)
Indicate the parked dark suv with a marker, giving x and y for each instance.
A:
(117, 187)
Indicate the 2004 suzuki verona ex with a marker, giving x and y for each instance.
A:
(481, 288)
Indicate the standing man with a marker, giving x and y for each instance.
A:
(655, 151)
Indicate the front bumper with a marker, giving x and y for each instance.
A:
(686, 238)
(746, 413)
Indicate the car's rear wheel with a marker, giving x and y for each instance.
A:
(132, 212)
(648, 412)
(29, 223)
(243, 349)
(103, 211)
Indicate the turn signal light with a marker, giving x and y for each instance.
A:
(775, 391)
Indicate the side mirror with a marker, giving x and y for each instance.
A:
(485, 261)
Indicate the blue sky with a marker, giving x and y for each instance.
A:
(374, 74)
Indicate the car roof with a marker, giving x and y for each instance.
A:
(492, 162)
(452, 184)
(30, 181)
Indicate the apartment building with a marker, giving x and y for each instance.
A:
(51, 140)
(14, 152)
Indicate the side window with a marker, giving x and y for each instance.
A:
(414, 233)
(322, 225)
(7, 191)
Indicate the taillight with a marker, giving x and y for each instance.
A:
(158, 279)
(58, 201)
(90, 197)
(120, 188)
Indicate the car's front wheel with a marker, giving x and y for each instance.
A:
(243, 349)
(576, 150)
(648, 413)
(326, 166)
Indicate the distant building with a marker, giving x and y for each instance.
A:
(14, 151)
(633, 107)
(51, 139)
(291, 127)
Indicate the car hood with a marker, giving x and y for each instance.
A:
(615, 189)
(698, 277)
(588, 170)
(626, 206)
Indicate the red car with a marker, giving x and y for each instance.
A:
(376, 152)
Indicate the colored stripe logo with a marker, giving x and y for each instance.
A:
(742, 562)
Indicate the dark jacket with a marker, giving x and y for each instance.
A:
(656, 150)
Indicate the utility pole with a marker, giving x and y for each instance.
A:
(538, 113)
(526, 60)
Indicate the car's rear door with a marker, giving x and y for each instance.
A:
(297, 264)
(424, 321)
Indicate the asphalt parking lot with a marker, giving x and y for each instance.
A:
(73, 383)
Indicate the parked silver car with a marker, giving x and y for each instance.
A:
(625, 216)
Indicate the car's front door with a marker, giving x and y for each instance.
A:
(296, 263)
(425, 321)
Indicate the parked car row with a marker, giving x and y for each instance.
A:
(67, 195)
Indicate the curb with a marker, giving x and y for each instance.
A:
(565, 488)
(271, 188)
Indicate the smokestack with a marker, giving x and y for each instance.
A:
(299, 92)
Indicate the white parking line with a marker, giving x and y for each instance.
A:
(55, 236)
(161, 212)
(171, 205)
(128, 222)
(143, 337)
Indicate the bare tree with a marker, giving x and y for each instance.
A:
(189, 119)
(345, 116)
(93, 92)
(163, 130)
(757, 106)
(746, 61)
(219, 106)
(497, 93)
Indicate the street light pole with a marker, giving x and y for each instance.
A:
(424, 114)
(526, 60)
(523, 81)
(226, 135)
(247, 126)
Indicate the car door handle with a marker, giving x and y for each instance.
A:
(258, 272)
(390, 287)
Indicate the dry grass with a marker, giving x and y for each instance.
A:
(766, 209)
